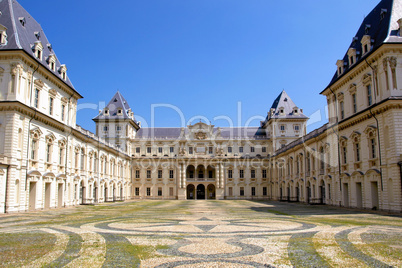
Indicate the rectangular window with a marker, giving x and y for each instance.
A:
(137, 173)
(33, 149)
(172, 149)
(148, 150)
(159, 173)
(190, 150)
(264, 149)
(342, 110)
(373, 151)
(264, 173)
(241, 173)
(264, 191)
(51, 106)
(137, 191)
(344, 152)
(62, 112)
(230, 173)
(230, 191)
(297, 127)
(282, 127)
(138, 150)
(357, 146)
(148, 174)
(253, 173)
(369, 96)
(159, 191)
(253, 191)
(160, 150)
(354, 101)
(241, 191)
(252, 149)
(210, 150)
(105, 128)
(36, 99)
(148, 191)
(171, 191)
(210, 174)
(240, 149)
(171, 174)
(48, 153)
(118, 128)
(61, 156)
(229, 149)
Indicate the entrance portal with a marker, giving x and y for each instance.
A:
(190, 191)
(200, 191)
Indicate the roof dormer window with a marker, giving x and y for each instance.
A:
(37, 35)
(366, 43)
(352, 56)
(119, 111)
(367, 28)
(3, 35)
(281, 111)
(295, 110)
(38, 48)
(383, 13)
(22, 21)
(63, 71)
(340, 66)
(106, 112)
(52, 62)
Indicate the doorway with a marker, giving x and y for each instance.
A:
(200, 191)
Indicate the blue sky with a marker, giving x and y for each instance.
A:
(203, 57)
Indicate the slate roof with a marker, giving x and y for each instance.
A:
(285, 102)
(381, 24)
(226, 133)
(117, 102)
(23, 36)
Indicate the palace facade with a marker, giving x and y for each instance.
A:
(47, 161)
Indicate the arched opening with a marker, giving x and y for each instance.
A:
(32, 195)
(105, 195)
(59, 195)
(200, 191)
(211, 191)
(211, 173)
(82, 192)
(17, 191)
(308, 190)
(190, 191)
(297, 192)
(190, 172)
(200, 172)
(322, 192)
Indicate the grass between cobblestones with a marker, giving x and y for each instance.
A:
(147, 233)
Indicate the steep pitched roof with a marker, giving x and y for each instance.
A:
(22, 33)
(285, 103)
(116, 103)
(382, 27)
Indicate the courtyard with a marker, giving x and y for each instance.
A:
(230, 233)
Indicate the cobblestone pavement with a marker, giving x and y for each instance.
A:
(201, 234)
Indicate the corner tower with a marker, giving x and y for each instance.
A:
(116, 123)
(285, 121)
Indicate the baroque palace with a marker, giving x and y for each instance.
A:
(47, 161)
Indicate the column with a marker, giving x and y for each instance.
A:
(222, 176)
(180, 177)
(183, 176)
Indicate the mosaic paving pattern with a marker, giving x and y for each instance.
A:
(203, 234)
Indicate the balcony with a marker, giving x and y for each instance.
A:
(200, 179)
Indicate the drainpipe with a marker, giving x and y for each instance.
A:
(6, 192)
(400, 172)
(29, 128)
(378, 126)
